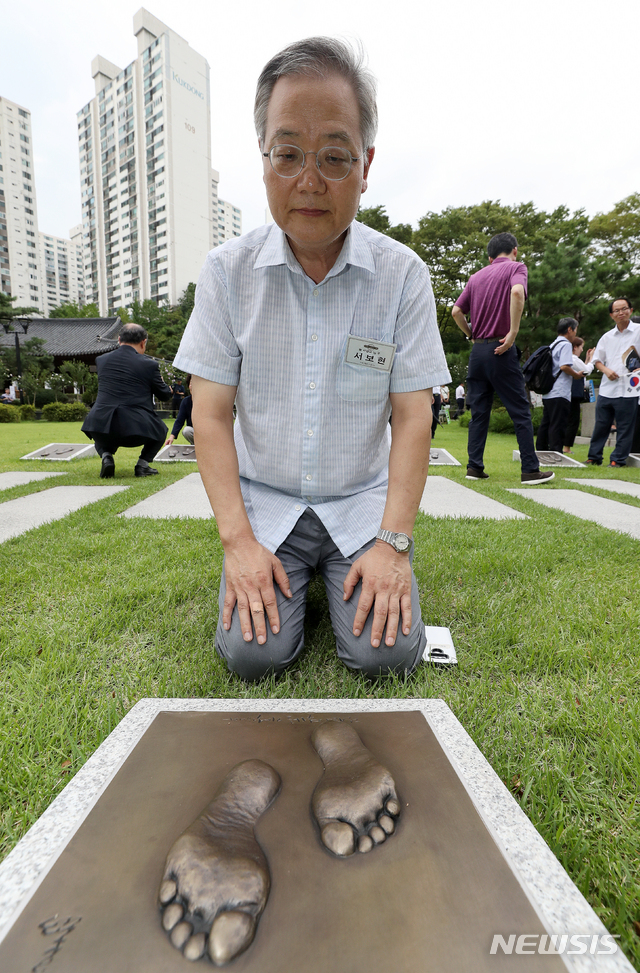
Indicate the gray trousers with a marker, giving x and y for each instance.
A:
(309, 548)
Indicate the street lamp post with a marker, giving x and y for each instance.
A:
(8, 327)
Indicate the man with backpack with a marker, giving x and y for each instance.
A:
(494, 298)
(556, 404)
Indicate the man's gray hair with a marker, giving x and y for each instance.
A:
(132, 334)
(321, 56)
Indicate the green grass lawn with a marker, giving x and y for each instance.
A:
(99, 611)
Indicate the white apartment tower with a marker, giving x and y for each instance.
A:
(19, 270)
(229, 221)
(145, 170)
(61, 270)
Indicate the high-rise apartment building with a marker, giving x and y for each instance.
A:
(61, 270)
(19, 270)
(145, 169)
(229, 221)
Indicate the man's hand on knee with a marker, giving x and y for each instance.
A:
(249, 573)
(386, 587)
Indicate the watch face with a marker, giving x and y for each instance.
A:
(402, 543)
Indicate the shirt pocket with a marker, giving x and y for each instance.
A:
(358, 383)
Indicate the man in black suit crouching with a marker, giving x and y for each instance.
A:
(123, 413)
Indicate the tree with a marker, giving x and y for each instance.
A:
(187, 301)
(164, 322)
(8, 312)
(78, 375)
(72, 310)
(31, 351)
(376, 217)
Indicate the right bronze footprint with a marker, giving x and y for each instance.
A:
(355, 801)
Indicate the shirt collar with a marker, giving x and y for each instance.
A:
(355, 251)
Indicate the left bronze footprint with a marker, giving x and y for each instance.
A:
(216, 879)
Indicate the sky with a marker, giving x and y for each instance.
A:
(535, 100)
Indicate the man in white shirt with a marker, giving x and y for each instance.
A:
(577, 392)
(557, 402)
(460, 399)
(617, 398)
(317, 327)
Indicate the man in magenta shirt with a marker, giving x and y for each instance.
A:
(494, 299)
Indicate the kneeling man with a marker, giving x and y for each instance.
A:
(317, 327)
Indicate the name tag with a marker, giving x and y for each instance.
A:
(371, 354)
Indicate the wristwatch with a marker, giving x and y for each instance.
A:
(400, 542)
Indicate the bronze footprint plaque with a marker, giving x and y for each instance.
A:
(429, 894)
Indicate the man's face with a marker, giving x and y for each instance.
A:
(312, 113)
(621, 314)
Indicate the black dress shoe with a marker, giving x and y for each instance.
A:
(108, 468)
(144, 471)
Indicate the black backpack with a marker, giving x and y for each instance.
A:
(538, 370)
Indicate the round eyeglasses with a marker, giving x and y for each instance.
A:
(333, 161)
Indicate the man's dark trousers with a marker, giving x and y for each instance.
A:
(489, 373)
(624, 411)
(555, 416)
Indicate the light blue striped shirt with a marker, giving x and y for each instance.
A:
(311, 428)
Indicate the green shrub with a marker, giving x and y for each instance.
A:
(536, 416)
(64, 411)
(44, 396)
(27, 413)
(500, 421)
(9, 413)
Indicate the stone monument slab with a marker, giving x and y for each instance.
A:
(443, 497)
(463, 867)
(177, 452)
(442, 457)
(549, 457)
(63, 451)
(633, 459)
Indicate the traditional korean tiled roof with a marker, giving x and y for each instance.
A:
(69, 337)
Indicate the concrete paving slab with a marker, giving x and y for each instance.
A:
(442, 457)
(18, 516)
(63, 451)
(599, 510)
(615, 486)
(185, 498)
(8, 480)
(549, 457)
(446, 498)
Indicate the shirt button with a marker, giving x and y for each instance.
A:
(308, 476)
(314, 337)
(312, 385)
(309, 432)
(316, 292)
(298, 507)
